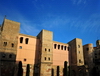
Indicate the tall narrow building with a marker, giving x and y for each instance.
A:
(8, 46)
(76, 57)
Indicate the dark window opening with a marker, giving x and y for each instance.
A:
(45, 49)
(78, 46)
(10, 56)
(95, 53)
(55, 45)
(26, 40)
(24, 59)
(49, 50)
(12, 45)
(45, 58)
(87, 49)
(5, 43)
(68, 49)
(95, 56)
(21, 39)
(58, 46)
(62, 47)
(48, 58)
(80, 61)
(65, 47)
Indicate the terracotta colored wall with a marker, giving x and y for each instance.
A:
(59, 55)
(28, 50)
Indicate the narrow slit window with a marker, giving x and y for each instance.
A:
(68, 48)
(26, 40)
(21, 39)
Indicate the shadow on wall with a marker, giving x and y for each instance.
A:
(10, 67)
(7, 64)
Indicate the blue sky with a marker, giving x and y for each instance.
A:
(68, 19)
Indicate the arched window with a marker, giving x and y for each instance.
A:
(65, 47)
(21, 39)
(62, 47)
(12, 45)
(26, 40)
(58, 46)
(55, 45)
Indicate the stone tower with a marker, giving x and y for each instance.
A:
(46, 52)
(98, 43)
(76, 56)
(8, 46)
(88, 58)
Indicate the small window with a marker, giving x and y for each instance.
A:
(87, 49)
(5, 43)
(49, 50)
(26, 40)
(20, 47)
(3, 55)
(21, 39)
(62, 47)
(80, 61)
(95, 56)
(95, 53)
(45, 49)
(58, 46)
(78, 46)
(78, 51)
(45, 58)
(68, 49)
(25, 59)
(12, 45)
(49, 58)
(55, 45)
(10, 56)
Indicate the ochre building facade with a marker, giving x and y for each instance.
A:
(42, 55)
